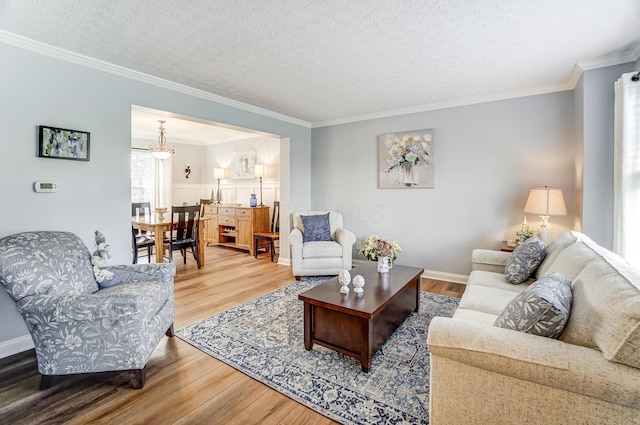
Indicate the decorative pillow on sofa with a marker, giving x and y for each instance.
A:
(541, 309)
(525, 260)
(316, 228)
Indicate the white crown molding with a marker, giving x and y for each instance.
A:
(55, 52)
(447, 104)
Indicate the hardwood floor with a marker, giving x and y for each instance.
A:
(183, 385)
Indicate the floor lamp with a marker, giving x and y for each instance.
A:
(545, 202)
(218, 173)
(260, 171)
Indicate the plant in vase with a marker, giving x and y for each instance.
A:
(524, 233)
(374, 246)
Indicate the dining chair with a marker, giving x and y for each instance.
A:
(141, 240)
(267, 240)
(184, 222)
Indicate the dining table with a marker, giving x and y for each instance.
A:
(160, 225)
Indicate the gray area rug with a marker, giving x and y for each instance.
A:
(264, 339)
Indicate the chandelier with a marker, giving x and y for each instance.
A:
(161, 151)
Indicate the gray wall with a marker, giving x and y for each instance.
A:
(597, 141)
(487, 158)
(37, 89)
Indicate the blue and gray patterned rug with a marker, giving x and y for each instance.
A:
(264, 339)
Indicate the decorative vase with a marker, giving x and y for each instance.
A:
(408, 174)
(253, 201)
(384, 264)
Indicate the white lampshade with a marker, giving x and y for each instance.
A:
(218, 173)
(259, 170)
(545, 201)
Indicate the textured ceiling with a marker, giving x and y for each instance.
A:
(324, 60)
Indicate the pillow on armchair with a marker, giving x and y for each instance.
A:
(316, 228)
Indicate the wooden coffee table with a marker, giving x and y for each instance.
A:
(358, 325)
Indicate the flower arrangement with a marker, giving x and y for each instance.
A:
(524, 233)
(408, 151)
(374, 247)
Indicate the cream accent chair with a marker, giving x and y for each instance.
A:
(324, 257)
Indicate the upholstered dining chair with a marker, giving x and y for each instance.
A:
(267, 240)
(320, 245)
(77, 324)
(141, 240)
(184, 222)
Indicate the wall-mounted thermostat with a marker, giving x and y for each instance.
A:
(45, 187)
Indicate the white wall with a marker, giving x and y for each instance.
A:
(37, 89)
(487, 158)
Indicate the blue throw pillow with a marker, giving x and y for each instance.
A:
(316, 228)
(525, 260)
(541, 309)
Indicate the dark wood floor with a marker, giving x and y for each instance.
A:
(184, 385)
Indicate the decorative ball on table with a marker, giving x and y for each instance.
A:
(358, 283)
(344, 278)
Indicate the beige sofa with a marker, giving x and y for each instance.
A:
(482, 374)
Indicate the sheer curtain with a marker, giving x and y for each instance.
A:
(626, 236)
(162, 189)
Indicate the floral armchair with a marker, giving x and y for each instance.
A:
(77, 325)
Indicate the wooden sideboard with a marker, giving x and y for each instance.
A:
(234, 226)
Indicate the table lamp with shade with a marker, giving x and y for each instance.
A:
(218, 173)
(545, 202)
(260, 172)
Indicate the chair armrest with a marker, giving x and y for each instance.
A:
(545, 361)
(345, 238)
(164, 272)
(295, 237)
(489, 260)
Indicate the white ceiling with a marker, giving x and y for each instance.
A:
(185, 130)
(327, 61)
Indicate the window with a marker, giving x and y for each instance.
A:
(143, 171)
(627, 169)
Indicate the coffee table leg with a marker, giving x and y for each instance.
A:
(308, 317)
(366, 366)
(417, 295)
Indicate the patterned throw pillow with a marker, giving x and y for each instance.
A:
(541, 309)
(316, 228)
(525, 260)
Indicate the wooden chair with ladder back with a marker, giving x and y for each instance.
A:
(141, 239)
(266, 240)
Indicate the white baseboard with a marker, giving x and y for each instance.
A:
(284, 261)
(447, 277)
(432, 274)
(15, 346)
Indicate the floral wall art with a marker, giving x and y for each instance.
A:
(406, 160)
(243, 165)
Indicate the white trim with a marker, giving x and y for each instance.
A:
(444, 276)
(15, 346)
(446, 104)
(284, 261)
(430, 274)
(66, 55)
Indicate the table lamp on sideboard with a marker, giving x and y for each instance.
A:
(545, 202)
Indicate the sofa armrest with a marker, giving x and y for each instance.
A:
(164, 272)
(545, 361)
(489, 260)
